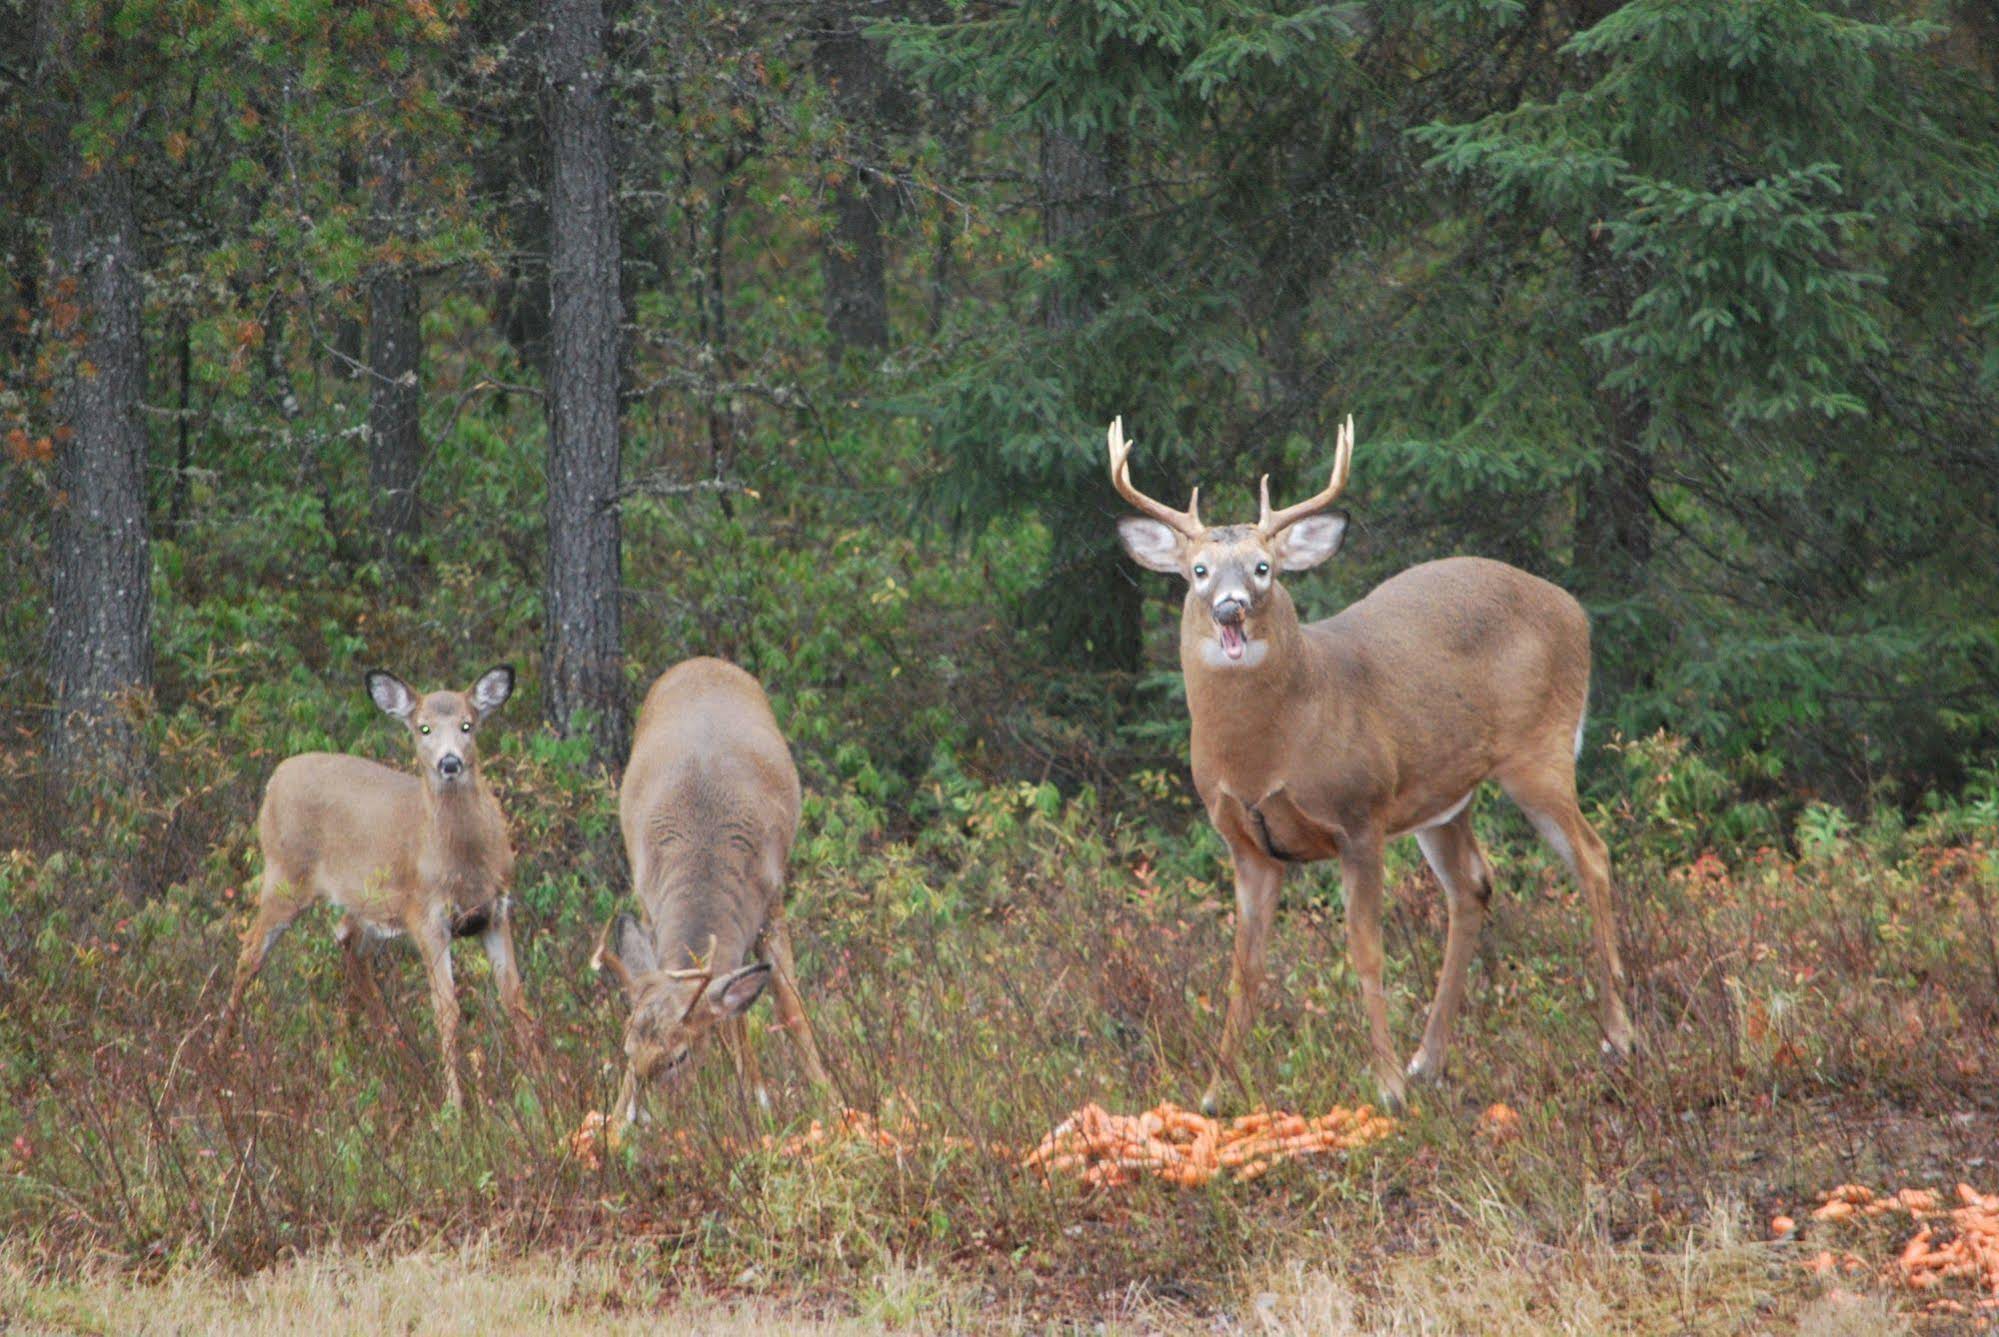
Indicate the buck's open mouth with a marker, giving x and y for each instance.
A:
(1232, 638)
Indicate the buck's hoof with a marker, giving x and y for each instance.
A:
(1394, 1092)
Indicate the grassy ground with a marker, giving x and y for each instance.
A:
(1809, 1019)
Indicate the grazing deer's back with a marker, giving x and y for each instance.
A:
(710, 782)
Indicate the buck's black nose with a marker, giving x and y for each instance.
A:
(1230, 611)
(449, 765)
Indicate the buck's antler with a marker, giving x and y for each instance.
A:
(1187, 522)
(1272, 523)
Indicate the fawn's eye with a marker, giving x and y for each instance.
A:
(1200, 571)
(423, 728)
(465, 726)
(1263, 568)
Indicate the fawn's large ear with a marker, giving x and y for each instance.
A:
(626, 952)
(495, 685)
(730, 995)
(1154, 546)
(1311, 541)
(391, 693)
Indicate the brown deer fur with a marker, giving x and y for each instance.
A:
(423, 854)
(1325, 740)
(709, 808)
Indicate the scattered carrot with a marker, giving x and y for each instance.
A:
(1100, 1148)
(1958, 1245)
(1182, 1147)
(1499, 1123)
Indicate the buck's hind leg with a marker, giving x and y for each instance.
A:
(1361, 879)
(1454, 856)
(278, 903)
(1548, 798)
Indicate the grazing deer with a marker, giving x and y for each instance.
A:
(1324, 740)
(423, 854)
(709, 808)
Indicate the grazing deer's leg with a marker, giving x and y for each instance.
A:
(432, 936)
(736, 1035)
(277, 906)
(1550, 804)
(1453, 854)
(1360, 876)
(1257, 883)
(790, 1007)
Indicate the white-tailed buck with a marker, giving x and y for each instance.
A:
(423, 854)
(1324, 740)
(709, 809)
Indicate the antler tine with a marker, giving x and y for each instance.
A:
(1274, 522)
(1187, 522)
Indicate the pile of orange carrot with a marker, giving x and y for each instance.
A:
(1186, 1148)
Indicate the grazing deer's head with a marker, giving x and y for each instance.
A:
(443, 725)
(673, 1011)
(1231, 570)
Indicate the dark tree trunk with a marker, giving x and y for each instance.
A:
(100, 637)
(1614, 520)
(853, 262)
(395, 343)
(1090, 598)
(583, 674)
(1076, 201)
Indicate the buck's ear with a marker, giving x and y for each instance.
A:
(625, 951)
(495, 685)
(1152, 545)
(1311, 541)
(389, 692)
(731, 994)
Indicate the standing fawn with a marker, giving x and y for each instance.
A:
(1325, 740)
(423, 854)
(709, 809)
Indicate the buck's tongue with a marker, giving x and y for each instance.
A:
(1231, 633)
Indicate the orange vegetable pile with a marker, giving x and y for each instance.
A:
(1103, 1150)
(1960, 1243)
(1182, 1147)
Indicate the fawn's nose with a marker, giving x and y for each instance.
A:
(450, 765)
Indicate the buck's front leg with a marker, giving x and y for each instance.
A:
(1360, 875)
(1257, 883)
(432, 935)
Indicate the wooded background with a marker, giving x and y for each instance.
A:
(598, 335)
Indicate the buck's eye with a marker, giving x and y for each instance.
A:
(1200, 571)
(465, 726)
(423, 728)
(1263, 568)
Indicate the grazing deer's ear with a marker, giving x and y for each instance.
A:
(1311, 541)
(391, 693)
(624, 950)
(495, 685)
(731, 995)
(1151, 544)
